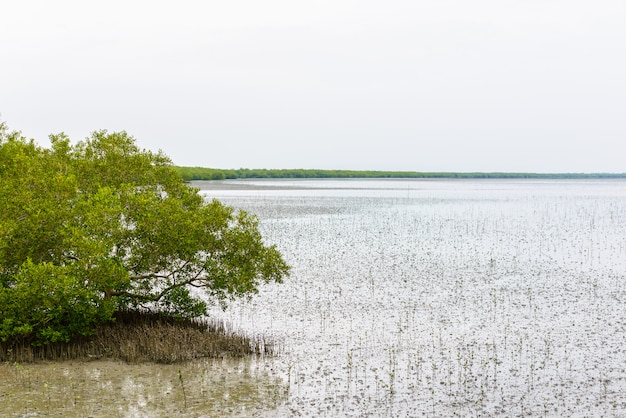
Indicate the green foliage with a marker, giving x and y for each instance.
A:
(200, 173)
(48, 303)
(100, 226)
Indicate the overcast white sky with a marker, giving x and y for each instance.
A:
(423, 85)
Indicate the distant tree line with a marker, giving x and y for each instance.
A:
(203, 173)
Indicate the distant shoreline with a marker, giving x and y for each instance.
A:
(203, 173)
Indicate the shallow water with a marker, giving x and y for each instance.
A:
(407, 298)
(208, 388)
(467, 298)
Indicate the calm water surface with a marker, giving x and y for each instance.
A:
(440, 297)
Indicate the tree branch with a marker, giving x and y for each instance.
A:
(156, 297)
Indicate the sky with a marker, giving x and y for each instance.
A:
(418, 85)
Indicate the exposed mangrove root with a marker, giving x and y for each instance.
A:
(144, 337)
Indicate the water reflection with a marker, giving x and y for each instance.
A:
(204, 388)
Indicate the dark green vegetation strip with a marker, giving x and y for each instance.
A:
(202, 173)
